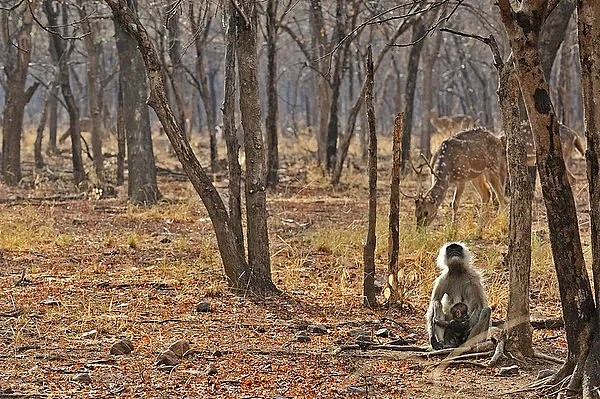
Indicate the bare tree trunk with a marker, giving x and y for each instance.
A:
(142, 186)
(95, 90)
(272, 93)
(39, 136)
(369, 247)
(519, 242)
(204, 89)
(63, 55)
(411, 82)
(522, 27)
(230, 133)
(121, 140)
(53, 106)
(256, 201)
(16, 66)
(588, 26)
(390, 292)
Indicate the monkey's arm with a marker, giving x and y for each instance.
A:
(442, 323)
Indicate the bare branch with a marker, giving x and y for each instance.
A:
(490, 41)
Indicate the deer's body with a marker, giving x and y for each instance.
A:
(447, 125)
(474, 155)
(569, 139)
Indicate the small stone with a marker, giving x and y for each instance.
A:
(203, 307)
(180, 347)
(383, 333)
(165, 240)
(89, 334)
(83, 378)
(122, 347)
(78, 222)
(358, 390)
(211, 369)
(167, 358)
(318, 329)
(302, 336)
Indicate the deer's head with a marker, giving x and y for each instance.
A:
(425, 210)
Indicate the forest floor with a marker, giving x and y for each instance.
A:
(79, 274)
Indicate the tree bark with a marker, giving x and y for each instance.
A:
(588, 26)
(256, 200)
(39, 136)
(272, 93)
(16, 65)
(523, 28)
(371, 241)
(519, 242)
(230, 134)
(390, 292)
(121, 140)
(141, 183)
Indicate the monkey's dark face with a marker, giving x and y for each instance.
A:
(455, 255)
(459, 311)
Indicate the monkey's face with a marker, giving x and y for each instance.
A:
(455, 254)
(425, 211)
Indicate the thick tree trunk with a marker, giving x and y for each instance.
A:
(390, 292)
(18, 54)
(579, 314)
(230, 134)
(256, 200)
(371, 240)
(588, 26)
(272, 93)
(142, 186)
(411, 86)
(519, 242)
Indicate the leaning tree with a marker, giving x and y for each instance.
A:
(252, 274)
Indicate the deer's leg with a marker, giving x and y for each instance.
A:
(496, 183)
(460, 187)
(482, 189)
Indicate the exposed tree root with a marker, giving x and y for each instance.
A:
(543, 356)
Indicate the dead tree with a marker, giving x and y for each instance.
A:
(390, 292)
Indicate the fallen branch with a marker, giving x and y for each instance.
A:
(549, 358)
(498, 353)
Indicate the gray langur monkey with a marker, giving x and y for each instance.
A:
(458, 282)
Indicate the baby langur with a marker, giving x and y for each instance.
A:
(457, 329)
(457, 282)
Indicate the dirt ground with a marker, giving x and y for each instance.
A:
(79, 274)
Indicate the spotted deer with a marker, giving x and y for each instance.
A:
(447, 125)
(474, 155)
(569, 139)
